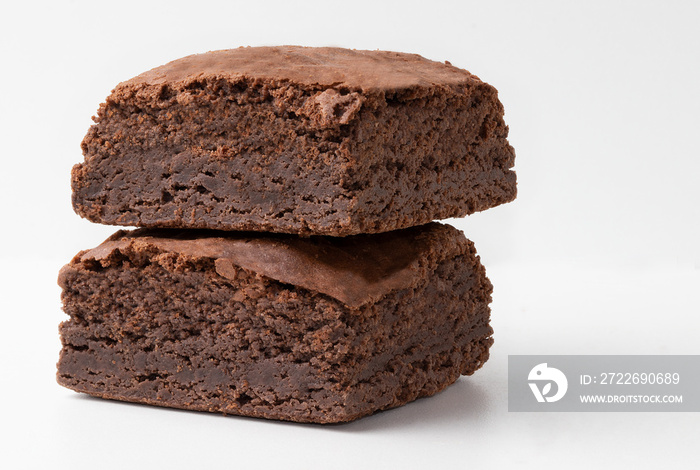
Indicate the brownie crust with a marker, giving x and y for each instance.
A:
(295, 140)
(174, 319)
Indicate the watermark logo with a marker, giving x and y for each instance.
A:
(547, 375)
(603, 383)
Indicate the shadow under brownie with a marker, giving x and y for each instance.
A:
(312, 329)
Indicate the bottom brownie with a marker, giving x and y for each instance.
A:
(316, 330)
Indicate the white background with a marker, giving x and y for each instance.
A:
(598, 255)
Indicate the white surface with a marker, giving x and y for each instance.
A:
(597, 256)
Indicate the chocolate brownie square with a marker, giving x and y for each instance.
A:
(316, 329)
(298, 140)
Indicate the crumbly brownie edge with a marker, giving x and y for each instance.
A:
(429, 158)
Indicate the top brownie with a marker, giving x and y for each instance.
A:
(296, 140)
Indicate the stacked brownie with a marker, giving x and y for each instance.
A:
(287, 266)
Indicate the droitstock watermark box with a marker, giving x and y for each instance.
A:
(603, 383)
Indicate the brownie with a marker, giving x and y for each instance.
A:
(322, 141)
(313, 329)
